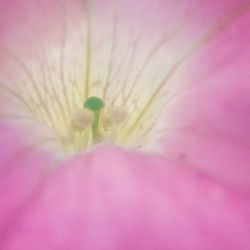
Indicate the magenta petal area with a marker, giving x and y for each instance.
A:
(210, 122)
(23, 167)
(111, 199)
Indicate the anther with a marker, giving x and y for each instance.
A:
(117, 115)
(83, 119)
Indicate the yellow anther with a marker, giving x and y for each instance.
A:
(83, 119)
(117, 115)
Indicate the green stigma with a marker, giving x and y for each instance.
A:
(95, 104)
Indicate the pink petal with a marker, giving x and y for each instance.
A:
(110, 199)
(210, 121)
(25, 163)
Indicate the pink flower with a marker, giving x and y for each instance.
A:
(160, 160)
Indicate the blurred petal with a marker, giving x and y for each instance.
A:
(210, 121)
(110, 199)
(25, 163)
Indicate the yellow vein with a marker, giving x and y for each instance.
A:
(203, 41)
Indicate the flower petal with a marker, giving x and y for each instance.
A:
(25, 162)
(210, 121)
(110, 199)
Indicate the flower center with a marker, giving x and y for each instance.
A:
(104, 81)
(86, 112)
(81, 123)
(96, 122)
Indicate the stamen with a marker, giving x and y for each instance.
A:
(83, 119)
(117, 115)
